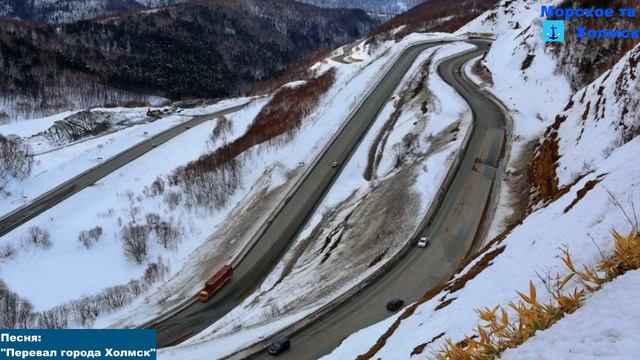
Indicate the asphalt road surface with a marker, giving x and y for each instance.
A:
(272, 245)
(453, 230)
(89, 177)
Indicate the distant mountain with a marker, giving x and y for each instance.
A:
(64, 11)
(209, 49)
(388, 7)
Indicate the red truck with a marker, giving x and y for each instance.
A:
(216, 282)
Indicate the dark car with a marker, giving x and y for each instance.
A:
(279, 346)
(395, 304)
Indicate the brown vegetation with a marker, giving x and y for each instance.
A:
(297, 71)
(211, 179)
(499, 333)
(542, 171)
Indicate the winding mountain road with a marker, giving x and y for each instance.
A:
(453, 230)
(291, 218)
(63, 191)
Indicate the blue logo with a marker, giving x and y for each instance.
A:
(553, 30)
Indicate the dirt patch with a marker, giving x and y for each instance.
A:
(482, 72)
(445, 137)
(445, 303)
(542, 171)
(527, 62)
(378, 258)
(582, 193)
(420, 348)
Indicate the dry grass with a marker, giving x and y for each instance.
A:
(498, 332)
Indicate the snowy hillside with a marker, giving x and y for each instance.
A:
(412, 150)
(561, 255)
(572, 179)
(599, 119)
(183, 231)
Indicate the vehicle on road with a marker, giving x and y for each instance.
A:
(335, 164)
(154, 145)
(216, 282)
(279, 346)
(424, 242)
(395, 304)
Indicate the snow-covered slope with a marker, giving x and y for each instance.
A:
(579, 151)
(134, 196)
(605, 328)
(599, 119)
(581, 219)
(350, 230)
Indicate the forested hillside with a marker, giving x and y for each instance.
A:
(214, 49)
(61, 11)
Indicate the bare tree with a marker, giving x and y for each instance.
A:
(56, 318)
(168, 234)
(89, 237)
(7, 251)
(158, 186)
(153, 220)
(172, 199)
(15, 312)
(16, 159)
(85, 310)
(116, 297)
(135, 242)
(38, 237)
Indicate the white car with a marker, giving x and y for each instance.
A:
(424, 242)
